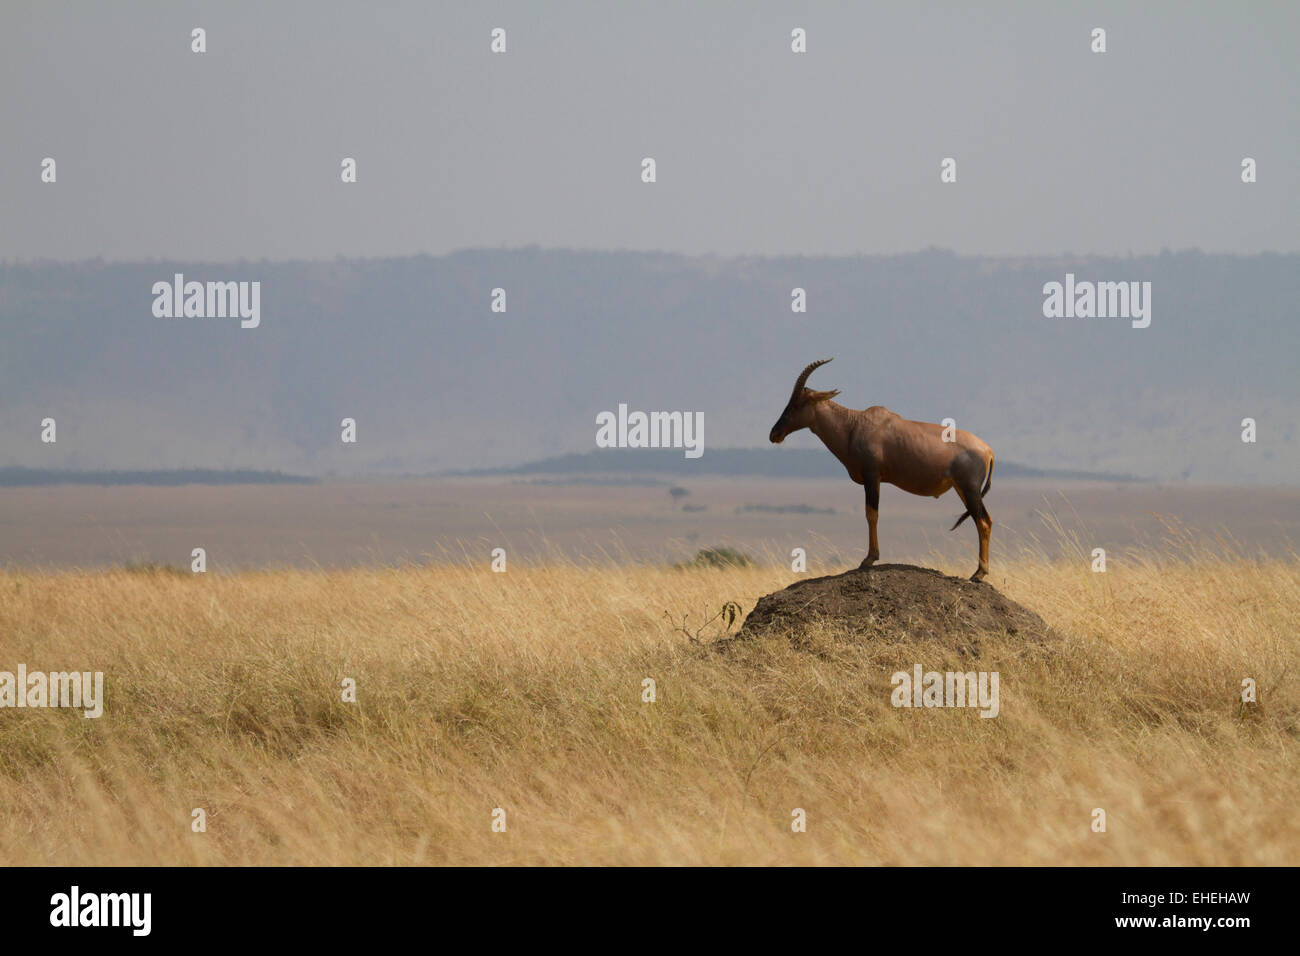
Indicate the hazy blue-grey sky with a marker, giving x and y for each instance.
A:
(235, 153)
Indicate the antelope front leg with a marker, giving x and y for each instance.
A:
(873, 514)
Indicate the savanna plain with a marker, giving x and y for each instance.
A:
(525, 691)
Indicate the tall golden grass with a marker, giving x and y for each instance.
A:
(523, 691)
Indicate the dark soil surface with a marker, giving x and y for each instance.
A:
(894, 602)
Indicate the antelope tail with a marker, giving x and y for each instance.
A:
(988, 483)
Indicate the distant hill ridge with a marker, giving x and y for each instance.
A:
(25, 477)
(750, 462)
(409, 349)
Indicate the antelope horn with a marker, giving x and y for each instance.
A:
(803, 376)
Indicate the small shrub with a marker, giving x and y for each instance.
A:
(717, 558)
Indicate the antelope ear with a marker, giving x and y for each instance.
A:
(822, 396)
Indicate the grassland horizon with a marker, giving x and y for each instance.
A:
(523, 691)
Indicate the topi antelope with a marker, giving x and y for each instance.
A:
(877, 445)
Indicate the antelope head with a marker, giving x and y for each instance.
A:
(799, 410)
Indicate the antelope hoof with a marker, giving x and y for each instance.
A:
(868, 561)
(979, 575)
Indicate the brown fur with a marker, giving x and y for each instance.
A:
(876, 445)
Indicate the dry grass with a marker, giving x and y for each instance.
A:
(523, 691)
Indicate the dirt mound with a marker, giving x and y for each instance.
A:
(894, 602)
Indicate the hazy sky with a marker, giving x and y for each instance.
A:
(235, 153)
